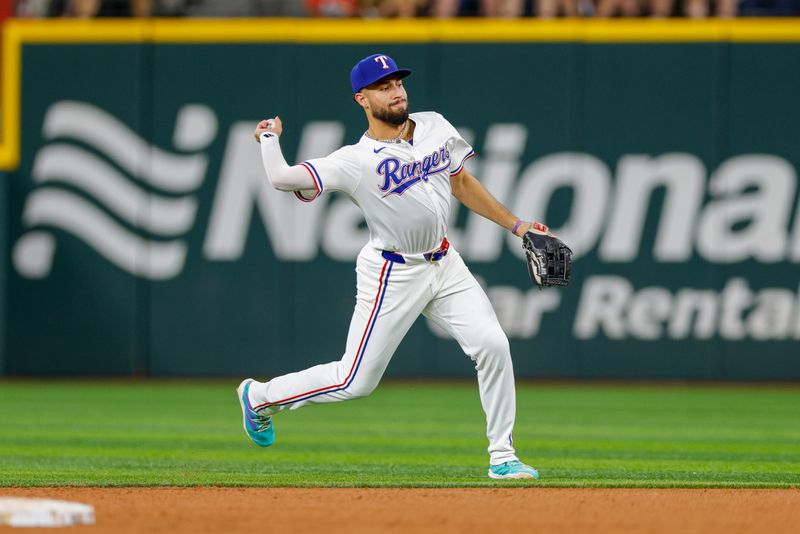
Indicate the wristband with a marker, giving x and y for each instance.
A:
(516, 226)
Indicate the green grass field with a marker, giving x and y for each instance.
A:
(405, 434)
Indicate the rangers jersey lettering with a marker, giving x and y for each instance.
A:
(397, 176)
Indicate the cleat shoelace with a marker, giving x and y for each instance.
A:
(263, 421)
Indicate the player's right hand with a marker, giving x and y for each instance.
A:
(268, 125)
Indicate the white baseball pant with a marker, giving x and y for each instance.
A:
(390, 297)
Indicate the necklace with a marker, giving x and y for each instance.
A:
(392, 140)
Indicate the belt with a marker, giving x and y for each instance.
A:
(434, 255)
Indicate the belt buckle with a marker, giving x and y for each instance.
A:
(443, 246)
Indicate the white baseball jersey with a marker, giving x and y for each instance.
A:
(403, 189)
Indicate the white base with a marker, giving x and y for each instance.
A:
(27, 512)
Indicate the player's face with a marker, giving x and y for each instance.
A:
(387, 100)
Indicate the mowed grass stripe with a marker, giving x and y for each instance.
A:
(405, 434)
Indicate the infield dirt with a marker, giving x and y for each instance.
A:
(494, 510)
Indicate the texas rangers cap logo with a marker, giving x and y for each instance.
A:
(373, 68)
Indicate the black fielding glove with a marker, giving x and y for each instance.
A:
(549, 259)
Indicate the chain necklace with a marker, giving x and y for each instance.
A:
(392, 140)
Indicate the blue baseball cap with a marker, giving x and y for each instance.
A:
(373, 68)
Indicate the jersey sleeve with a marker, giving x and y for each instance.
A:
(460, 150)
(338, 171)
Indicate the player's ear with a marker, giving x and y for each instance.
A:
(361, 100)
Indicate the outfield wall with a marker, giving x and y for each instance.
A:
(144, 239)
(4, 216)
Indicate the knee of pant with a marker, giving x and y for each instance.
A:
(361, 388)
(497, 343)
(495, 347)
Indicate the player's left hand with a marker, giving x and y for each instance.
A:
(535, 227)
(274, 126)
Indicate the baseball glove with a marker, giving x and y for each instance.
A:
(549, 259)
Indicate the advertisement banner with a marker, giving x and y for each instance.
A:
(145, 238)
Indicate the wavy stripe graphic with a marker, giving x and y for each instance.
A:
(67, 211)
(66, 164)
(93, 126)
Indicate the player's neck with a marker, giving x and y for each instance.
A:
(385, 131)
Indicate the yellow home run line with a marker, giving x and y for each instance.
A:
(17, 33)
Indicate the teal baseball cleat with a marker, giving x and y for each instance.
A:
(258, 427)
(512, 469)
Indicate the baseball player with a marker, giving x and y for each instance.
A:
(401, 174)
